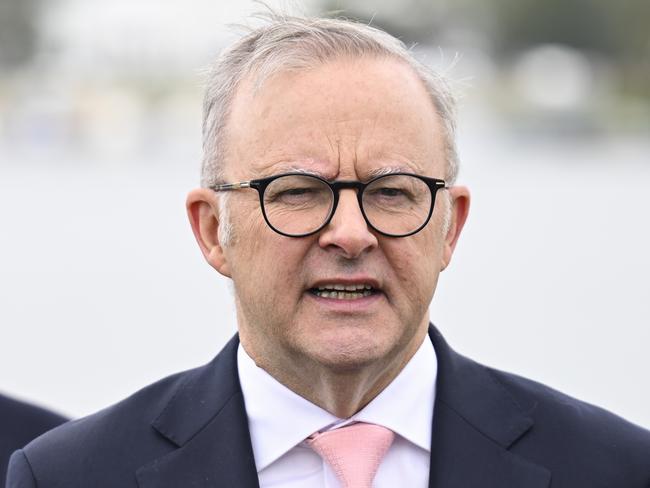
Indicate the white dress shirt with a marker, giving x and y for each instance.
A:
(280, 420)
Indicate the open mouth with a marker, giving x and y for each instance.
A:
(343, 292)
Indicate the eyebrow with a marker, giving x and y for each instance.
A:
(288, 168)
(387, 170)
(373, 173)
(298, 169)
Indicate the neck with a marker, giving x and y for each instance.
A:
(342, 392)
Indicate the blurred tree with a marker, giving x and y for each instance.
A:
(615, 31)
(410, 20)
(581, 24)
(18, 32)
(631, 25)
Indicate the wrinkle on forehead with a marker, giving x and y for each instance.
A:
(295, 167)
(289, 165)
(332, 123)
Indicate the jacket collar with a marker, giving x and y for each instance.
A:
(206, 419)
(475, 423)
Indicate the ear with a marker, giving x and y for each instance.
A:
(459, 201)
(203, 212)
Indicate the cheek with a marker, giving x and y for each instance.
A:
(416, 265)
(250, 221)
(245, 253)
(267, 258)
(250, 233)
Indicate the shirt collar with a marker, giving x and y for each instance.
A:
(405, 406)
(280, 419)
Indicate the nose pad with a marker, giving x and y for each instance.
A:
(348, 230)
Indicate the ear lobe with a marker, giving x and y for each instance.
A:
(460, 199)
(203, 212)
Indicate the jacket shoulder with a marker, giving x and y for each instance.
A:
(117, 436)
(547, 402)
(573, 436)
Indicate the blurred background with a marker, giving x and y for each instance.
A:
(103, 290)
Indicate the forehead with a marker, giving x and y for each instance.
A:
(344, 118)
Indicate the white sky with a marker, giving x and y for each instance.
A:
(103, 290)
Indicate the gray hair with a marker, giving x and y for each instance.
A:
(297, 43)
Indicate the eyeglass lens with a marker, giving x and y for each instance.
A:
(393, 204)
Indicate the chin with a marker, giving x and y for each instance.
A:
(346, 364)
(348, 356)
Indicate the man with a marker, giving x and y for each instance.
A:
(328, 198)
(20, 423)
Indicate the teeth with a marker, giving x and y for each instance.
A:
(338, 291)
(343, 295)
(339, 287)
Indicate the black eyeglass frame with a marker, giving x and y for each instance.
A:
(335, 187)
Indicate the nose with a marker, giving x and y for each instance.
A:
(348, 231)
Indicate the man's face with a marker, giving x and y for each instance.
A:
(343, 120)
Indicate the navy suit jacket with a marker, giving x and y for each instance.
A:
(20, 423)
(490, 430)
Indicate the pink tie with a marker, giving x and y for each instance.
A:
(354, 452)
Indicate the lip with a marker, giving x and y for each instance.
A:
(347, 281)
(356, 306)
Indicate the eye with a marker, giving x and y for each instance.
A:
(294, 195)
(297, 190)
(390, 192)
(397, 193)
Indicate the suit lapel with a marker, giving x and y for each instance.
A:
(475, 422)
(206, 420)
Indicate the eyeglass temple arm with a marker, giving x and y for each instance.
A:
(247, 184)
(231, 186)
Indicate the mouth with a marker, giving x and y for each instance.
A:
(339, 291)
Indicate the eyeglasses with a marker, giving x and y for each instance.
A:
(298, 204)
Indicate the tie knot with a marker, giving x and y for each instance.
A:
(354, 452)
